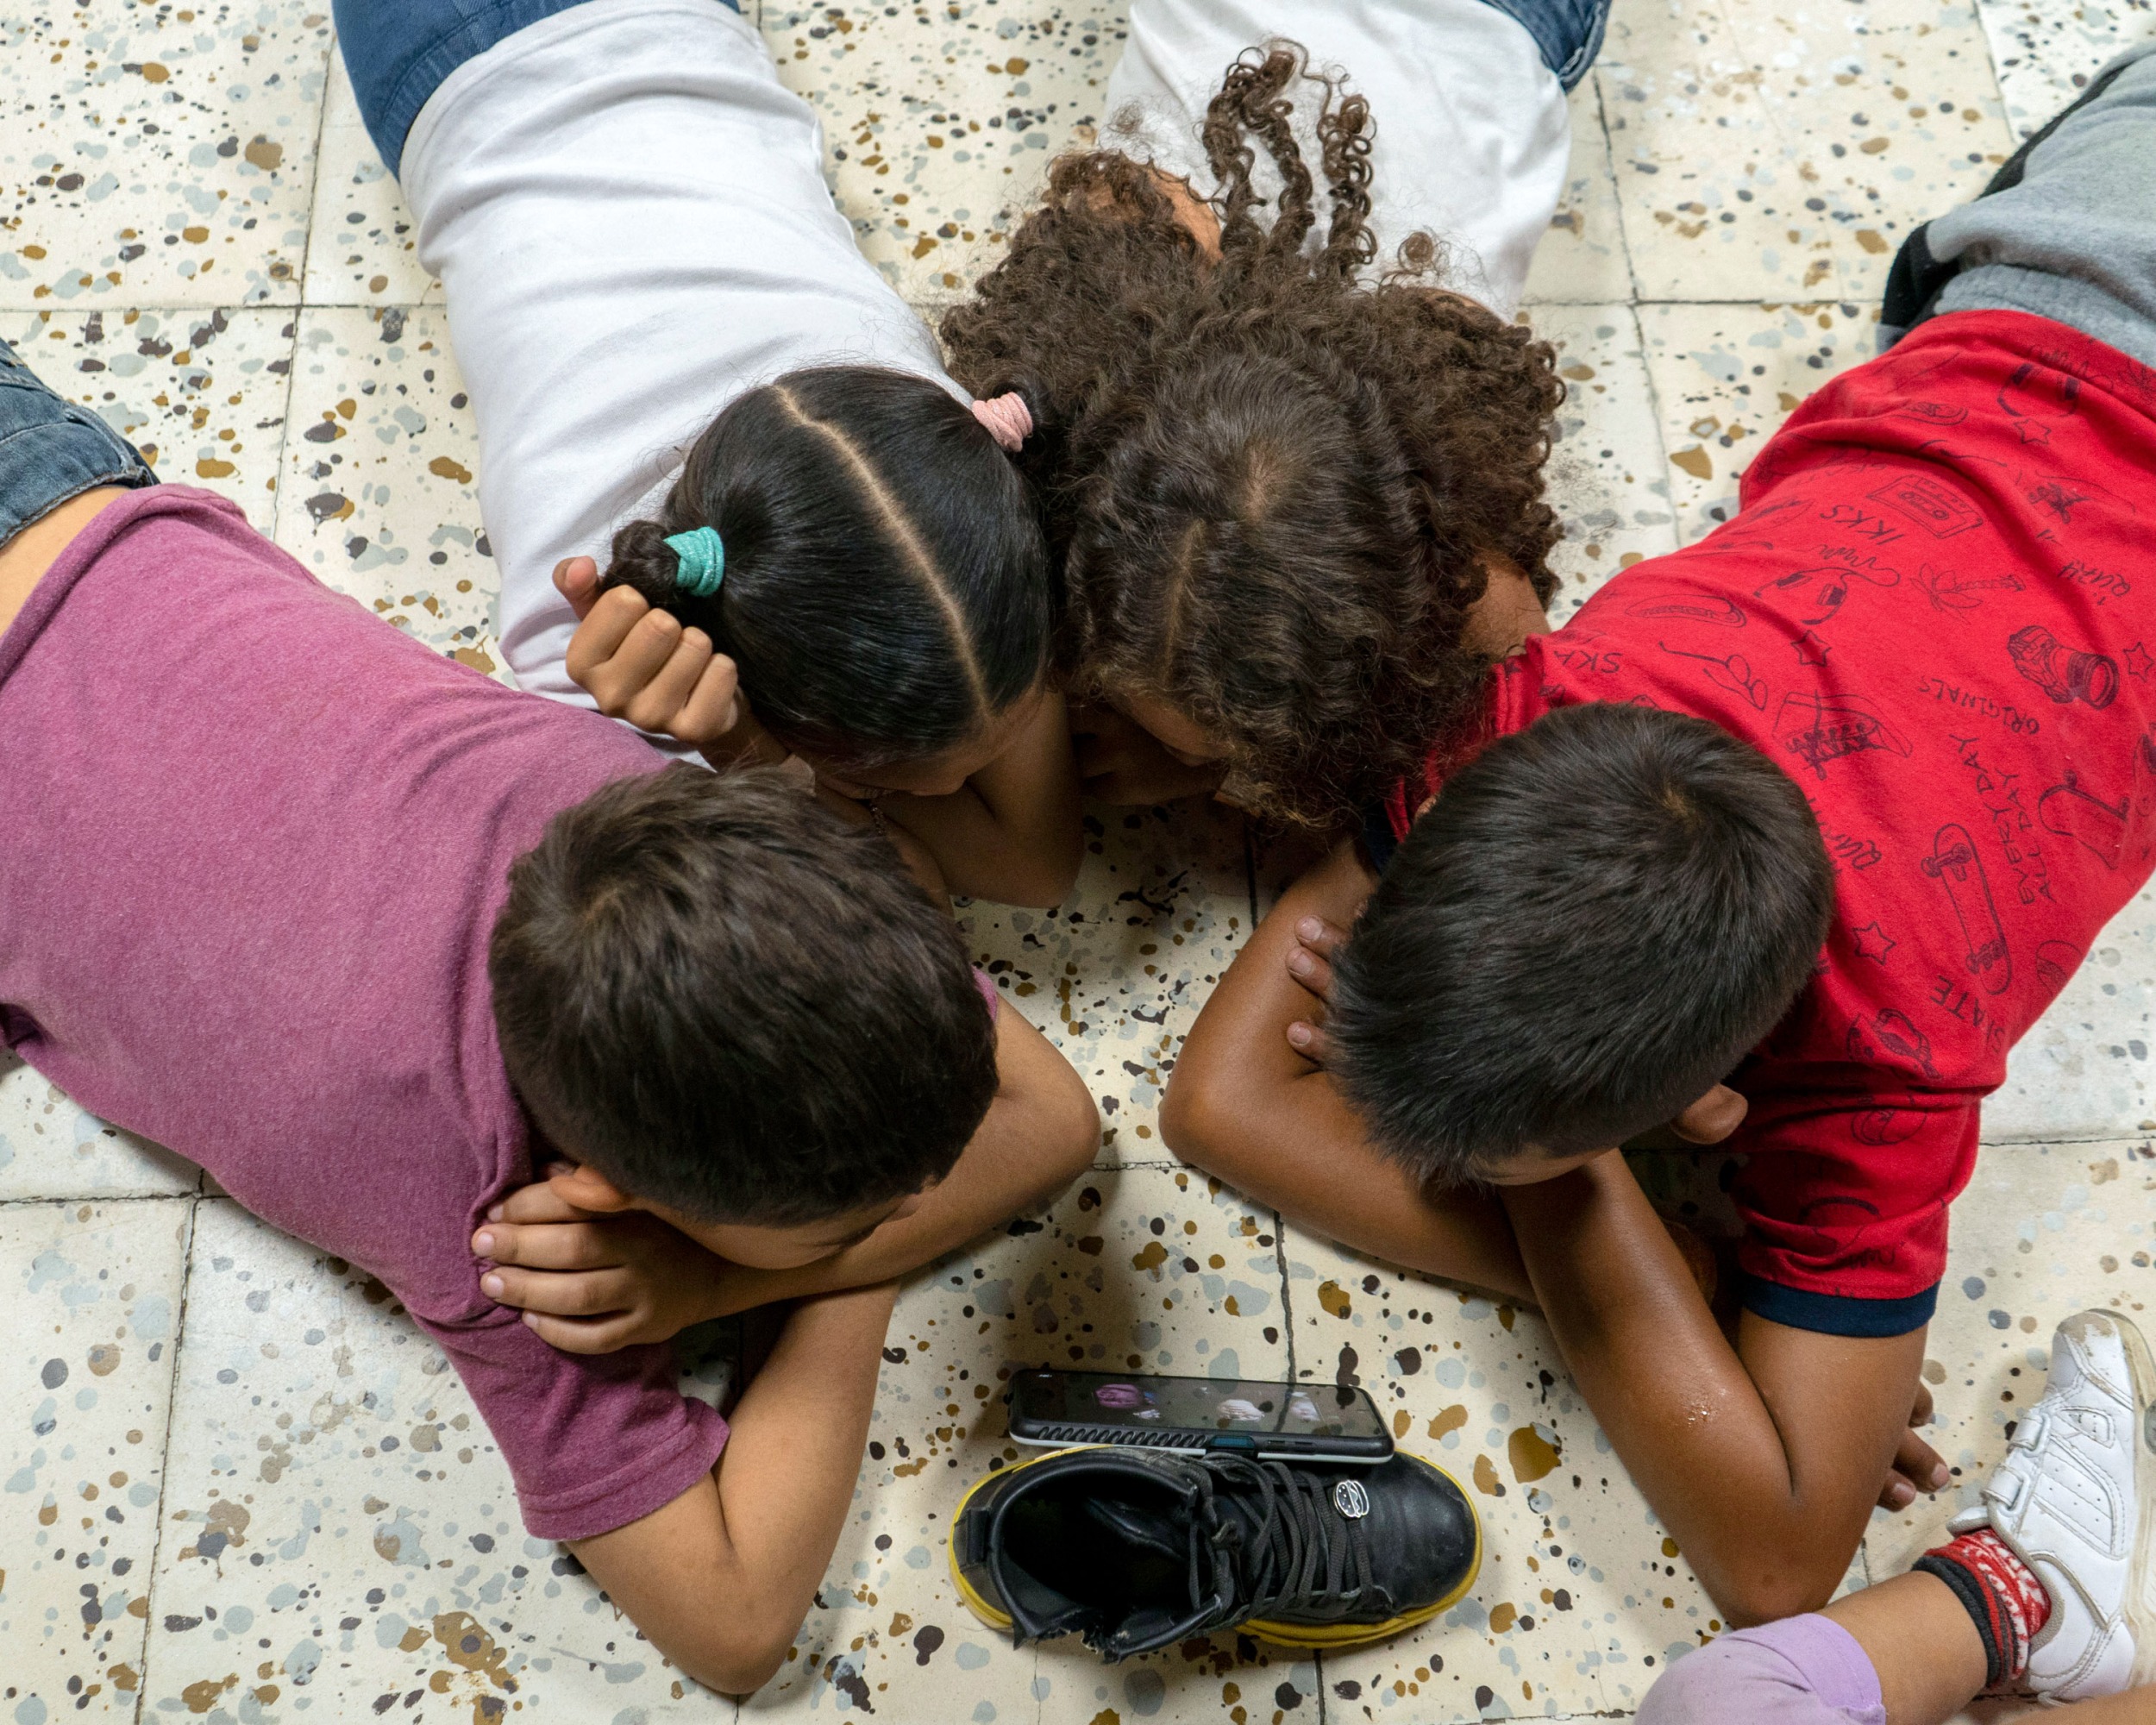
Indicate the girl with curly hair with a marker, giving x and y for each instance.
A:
(1280, 474)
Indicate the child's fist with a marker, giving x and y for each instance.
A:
(641, 665)
(590, 1283)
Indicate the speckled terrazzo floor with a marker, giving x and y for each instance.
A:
(236, 1484)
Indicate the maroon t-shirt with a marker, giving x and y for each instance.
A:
(255, 843)
(1934, 610)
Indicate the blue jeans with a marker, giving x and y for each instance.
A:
(51, 450)
(1568, 32)
(399, 52)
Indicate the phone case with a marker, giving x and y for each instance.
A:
(1046, 1433)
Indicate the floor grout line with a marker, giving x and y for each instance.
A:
(165, 1456)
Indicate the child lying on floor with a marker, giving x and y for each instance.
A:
(1901, 705)
(365, 934)
(1288, 426)
(641, 259)
(1272, 483)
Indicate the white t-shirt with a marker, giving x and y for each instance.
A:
(628, 214)
(1472, 134)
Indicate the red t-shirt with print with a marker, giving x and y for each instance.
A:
(1934, 610)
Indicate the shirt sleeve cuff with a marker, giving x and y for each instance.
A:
(1838, 1314)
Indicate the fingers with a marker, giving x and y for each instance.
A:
(714, 707)
(574, 1294)
(605, 625)
(1320, 936)
(1309, 1040)
(584, 1335)
(1917, 1468)
(1921, 1414)
(641, 665)
(1310, 959)
(551, 1245)
(1921, 1465)
(658, 706)
(535, 1203)
(1312, 971)
(576, 578)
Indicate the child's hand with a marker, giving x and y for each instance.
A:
(591, 1283)
(1310, 962)
(1917, 1467)
(641, 665)
(1121, 762)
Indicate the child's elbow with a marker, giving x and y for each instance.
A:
(1767, 1596)
(739, 1657)
(1193, 1113)
(1070, 1134)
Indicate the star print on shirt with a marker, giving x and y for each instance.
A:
(1810, 650)
(1873, 943)
(2138, 662)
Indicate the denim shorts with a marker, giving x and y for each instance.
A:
(398, 52)
(51, 450)
(1568, 32)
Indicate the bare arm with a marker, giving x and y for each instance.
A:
(1700, 1424)
(1763, 1460)
(592, 1284)
(1040, 1135)
(1012, 833)
(721, 1577)
(1243, 1104)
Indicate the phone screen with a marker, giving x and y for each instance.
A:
(1204, 1404)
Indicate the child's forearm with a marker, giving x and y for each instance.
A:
(1040, 1134)
(1764, 1464)
(1243, 1104)
(721, 1577)
(1012, 833)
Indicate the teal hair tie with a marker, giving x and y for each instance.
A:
(703, 556)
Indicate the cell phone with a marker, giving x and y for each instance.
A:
(1326, 1422)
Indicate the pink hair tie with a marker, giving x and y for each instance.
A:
(1007, 419)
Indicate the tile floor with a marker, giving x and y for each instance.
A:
(240, 1486)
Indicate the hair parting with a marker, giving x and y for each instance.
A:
(1273, 485)
(887, 589)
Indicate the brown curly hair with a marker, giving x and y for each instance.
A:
(1271, 485)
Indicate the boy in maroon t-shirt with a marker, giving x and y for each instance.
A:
(1785, 839)
(366, 934)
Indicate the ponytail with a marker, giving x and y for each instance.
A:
(885, 590)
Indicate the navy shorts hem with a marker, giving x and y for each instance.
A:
(1838, 1314)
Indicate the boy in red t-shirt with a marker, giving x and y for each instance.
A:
(1785, 839)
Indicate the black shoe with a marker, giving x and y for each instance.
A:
(1136, 1550)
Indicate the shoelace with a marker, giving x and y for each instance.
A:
(1292, 1553)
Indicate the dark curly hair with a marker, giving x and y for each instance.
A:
(1271, 483)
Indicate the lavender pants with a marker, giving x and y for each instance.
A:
(1802, 1670)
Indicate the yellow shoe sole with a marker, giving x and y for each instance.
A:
(1325, 1636)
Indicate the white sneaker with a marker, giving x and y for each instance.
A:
(2076, 1500)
